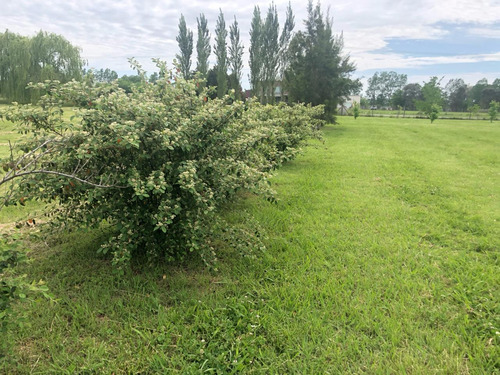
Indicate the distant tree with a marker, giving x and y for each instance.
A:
(285, 37)
(434, 112)
(235, 58)
(270, 53)
(202, 45)
(355, 110)
(383, 85)
(128, 82)
(473, 110)
(456, 91)
(319, 73)
(221, 54)
(154, 77)
(489, 94)
(185, 42)
(411, 93)
(475, 92)
(103, 75)
(255, 52)
(493, 110)
(34, 59)
(432, 101)
(397, 99)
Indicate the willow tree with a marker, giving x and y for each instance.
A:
(34, 59)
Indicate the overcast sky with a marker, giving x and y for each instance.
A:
(421, 38)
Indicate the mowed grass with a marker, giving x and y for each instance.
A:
(482, 115)
(382, 257)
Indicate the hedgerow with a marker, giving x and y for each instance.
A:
(156, 164)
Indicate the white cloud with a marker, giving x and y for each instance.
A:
(111, 31)
(486, 32)
(368, 61)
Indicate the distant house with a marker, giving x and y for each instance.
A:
(344, 107)
(279, 94)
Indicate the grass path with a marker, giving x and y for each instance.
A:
(382, 257)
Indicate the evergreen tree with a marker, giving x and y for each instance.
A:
(221, 54)
(185, 42)
(203, 45)
(318, 72)
(235, 57)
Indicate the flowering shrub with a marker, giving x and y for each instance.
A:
(156, 163)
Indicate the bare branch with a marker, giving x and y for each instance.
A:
(61, 174)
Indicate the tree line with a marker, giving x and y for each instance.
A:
(390, 89)
(307, 66)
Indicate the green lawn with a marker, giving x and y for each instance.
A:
(483, 115)
(382, 257)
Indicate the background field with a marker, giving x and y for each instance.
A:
(482, 115)
(382, 257)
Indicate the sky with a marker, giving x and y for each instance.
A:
(420, 38)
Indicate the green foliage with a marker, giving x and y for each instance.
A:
(235, 58)
(474, 109)
(483, 93)
(434, 112)
(202, 46)
(156, 163)
(431, 104)
(185, 42)
(102, 75)
(270, 53)
(355, 110)
(382, 86)
(221, 54)
(45, 56)
(14, 288)
(493, 110)
(456, 91)
(318, 72)
(127, 83)
(255, 52)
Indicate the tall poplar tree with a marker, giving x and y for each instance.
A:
(255, 52)
(285, 38)
(235, 57)
(221, 54)
(319, 73)
(270, 53)
(203, 45)
(185, 42)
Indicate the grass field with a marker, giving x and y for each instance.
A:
(382, 257)
(483, 115)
